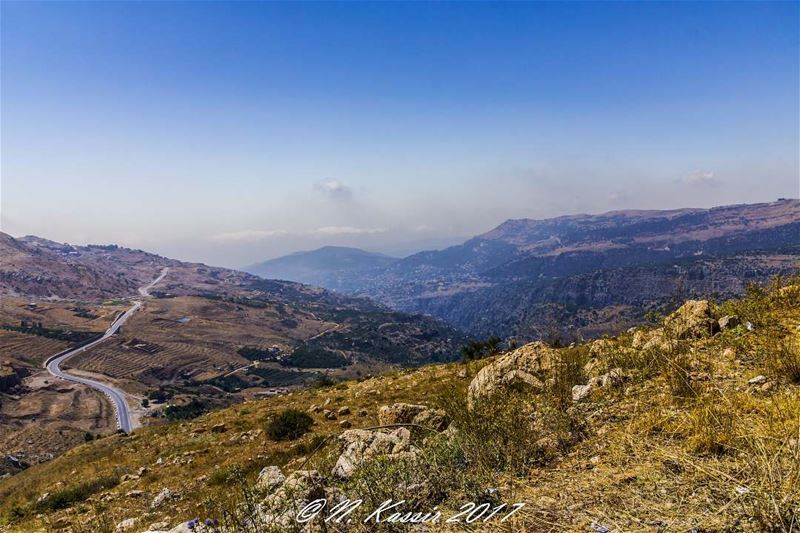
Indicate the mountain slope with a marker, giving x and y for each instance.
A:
(321, 267)
(592, 274)
(667, 427)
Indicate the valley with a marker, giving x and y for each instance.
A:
(195, 339)
(582, 276)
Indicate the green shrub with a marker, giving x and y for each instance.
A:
(289, 424)
(69, 496)
(191, 410)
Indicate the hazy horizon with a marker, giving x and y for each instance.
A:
(234, 133)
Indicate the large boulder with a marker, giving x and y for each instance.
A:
(525, 366)
(691, 320)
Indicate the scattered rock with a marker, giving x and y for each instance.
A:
(161, 497)
(219, 428)
(345, 424)
(363, 412)
(524, 366)
(758, 380)
(343, 411)
(612, 378)
(329, 415)
(134, 493)
(315, 408)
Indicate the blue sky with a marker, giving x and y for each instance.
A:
(234, 132)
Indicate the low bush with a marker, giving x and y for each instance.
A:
(69, 496)
(289, 424)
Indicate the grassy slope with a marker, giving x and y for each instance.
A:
(685, 442)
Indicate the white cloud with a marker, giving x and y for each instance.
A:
(348, 230)
(618, 197)
(248, 235)
(700, 177)
(424, 228)
(334, 188)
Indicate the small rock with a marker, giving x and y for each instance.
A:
(362, 412)
(315, 408)
(728, 322)
(330, 415)
(343, 411)
(579, 392)
(219, 428)
(134, 493)
(125, 524)
(142, 471)
(758, 380)
(162, 496)
(345, 424)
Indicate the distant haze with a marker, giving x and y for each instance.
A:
(231, 133)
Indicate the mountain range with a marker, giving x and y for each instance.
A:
(578, 275)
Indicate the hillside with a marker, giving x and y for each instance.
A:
(690, 424)
(208, 337)
(587, 275)
(323, 267)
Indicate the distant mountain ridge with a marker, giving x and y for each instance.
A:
(587, 274)
(321, 267)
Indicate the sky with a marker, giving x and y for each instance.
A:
(231, 133)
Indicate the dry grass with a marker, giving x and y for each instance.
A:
(687, 443)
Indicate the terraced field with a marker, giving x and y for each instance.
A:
(124, 358)
(30, 350)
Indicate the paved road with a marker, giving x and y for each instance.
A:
(117, 397)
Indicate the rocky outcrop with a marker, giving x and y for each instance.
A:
(360, 445)
(691, 320)
(525, 366)
(728, 322)
(611, 379)
(406, 413)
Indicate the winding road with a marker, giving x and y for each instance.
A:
(117, 397)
